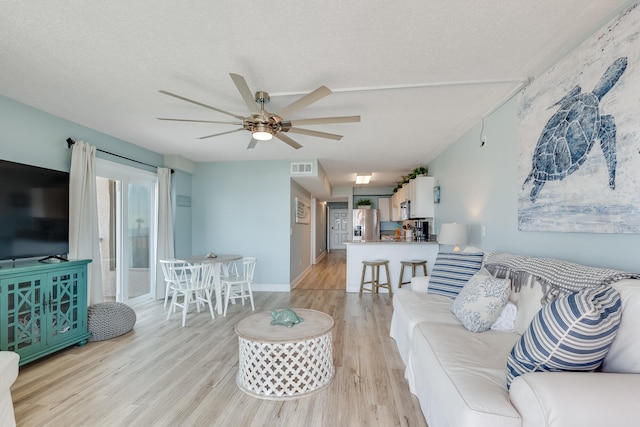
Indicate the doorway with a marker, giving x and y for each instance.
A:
(127, 227)
(338, 228)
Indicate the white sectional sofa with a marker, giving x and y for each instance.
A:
(8, 374)
(460, 377)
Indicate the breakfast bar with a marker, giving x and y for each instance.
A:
(392, 250)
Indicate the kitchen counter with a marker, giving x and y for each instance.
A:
(360, 242)
(392, 250)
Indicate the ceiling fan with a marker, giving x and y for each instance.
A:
(264, 125)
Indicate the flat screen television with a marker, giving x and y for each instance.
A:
(34, 211)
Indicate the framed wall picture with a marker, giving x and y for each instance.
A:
(579, 166)
(302, 212)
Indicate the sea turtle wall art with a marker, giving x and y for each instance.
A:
(579, 162)
(570, 133)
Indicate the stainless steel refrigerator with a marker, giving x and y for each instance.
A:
(366, 224)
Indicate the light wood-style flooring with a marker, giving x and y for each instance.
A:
(163, 375)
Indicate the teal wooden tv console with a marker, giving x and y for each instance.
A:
(43, 307)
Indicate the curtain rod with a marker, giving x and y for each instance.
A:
(70, 143)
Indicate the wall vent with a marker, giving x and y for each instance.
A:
(305, 168)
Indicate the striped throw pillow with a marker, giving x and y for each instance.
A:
(452, 271)
(571, 333)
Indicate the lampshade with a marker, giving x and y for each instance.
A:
(262, 132)
(453, 234)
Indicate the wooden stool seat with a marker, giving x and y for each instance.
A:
(414, 264)
(375, 276)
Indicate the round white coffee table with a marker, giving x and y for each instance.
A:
(277, 362)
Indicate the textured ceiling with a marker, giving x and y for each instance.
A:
(420, 73)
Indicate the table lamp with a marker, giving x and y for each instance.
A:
(453, 234)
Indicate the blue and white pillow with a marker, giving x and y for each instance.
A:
(571, 333)
(481, 301)
(452, 271)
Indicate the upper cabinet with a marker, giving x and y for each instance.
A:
(420, 193)
(397, 198)
(384, 206)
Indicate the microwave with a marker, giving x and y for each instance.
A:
(405, 210)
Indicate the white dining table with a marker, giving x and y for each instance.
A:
(218, 260)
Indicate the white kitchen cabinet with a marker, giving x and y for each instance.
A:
(384, 206)
(397, 198)
(420, 192)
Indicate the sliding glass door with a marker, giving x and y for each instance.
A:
(126, 210)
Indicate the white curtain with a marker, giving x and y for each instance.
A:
(83, 216)
(164, 248)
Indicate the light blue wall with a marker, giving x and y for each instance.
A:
(31, 136)
(182, 224)
(300, 234)
(320, 230)
(479, 186)
(244, 208)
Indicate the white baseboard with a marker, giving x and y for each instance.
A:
(271, 287)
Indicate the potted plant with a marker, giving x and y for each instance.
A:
(364, 203)
(420, 171)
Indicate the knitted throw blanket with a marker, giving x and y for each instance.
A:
(556, 277)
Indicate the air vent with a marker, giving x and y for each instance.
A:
(305, 168)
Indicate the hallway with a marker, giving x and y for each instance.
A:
(329, 274)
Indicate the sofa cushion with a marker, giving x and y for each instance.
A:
(571, 333)
(507, 319)
(8, 368)
(576, 399)
(529, 302)
(8, 373)
(452, 271)
(480, 301)
(419, 284)
(458, 376)
(411, 308)
(624, 354)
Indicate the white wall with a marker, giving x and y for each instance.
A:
(479, 186)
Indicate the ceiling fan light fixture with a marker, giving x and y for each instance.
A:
(262, 132)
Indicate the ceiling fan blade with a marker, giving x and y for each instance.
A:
(284, 138)
(245, 92)
(199, 121)
(306, 100)
(252, 143)
(325, 120)
(201, 104)
(222, 133)
(315, 133)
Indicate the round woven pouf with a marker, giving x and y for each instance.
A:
(108, 320)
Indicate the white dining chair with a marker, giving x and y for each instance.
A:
(195, 287)
(239, 285)
(169, 272)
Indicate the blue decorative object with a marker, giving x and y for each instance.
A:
(572, 333)
(285, 317)
(570, 133)
(452, 271)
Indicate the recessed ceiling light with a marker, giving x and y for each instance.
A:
(362, 178)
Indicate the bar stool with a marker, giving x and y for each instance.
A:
(375, 276)
(414, 264)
